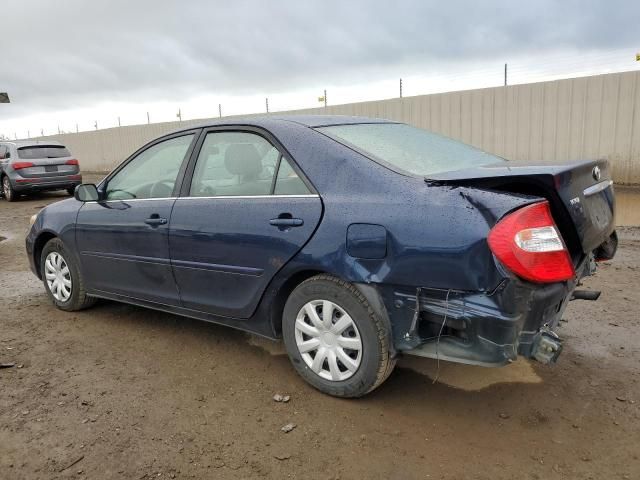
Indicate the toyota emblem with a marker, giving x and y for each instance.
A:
(596, 173)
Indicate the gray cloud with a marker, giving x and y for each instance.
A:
(77, 53)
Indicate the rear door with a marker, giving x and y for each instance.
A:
(245, 212)
(123, 239)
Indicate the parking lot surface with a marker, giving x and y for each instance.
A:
(123, 392)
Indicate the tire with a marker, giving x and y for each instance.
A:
(71, 191)
(77, 298)
(334, 374)
(8, 191)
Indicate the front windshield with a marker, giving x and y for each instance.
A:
(408, 149)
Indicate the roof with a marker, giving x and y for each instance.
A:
(311, 121)
(31, 143)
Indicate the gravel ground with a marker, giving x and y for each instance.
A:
(122, 392)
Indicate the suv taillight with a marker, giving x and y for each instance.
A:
(73, 161)
(528, 243)
(21, 165)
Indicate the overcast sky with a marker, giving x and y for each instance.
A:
(68, 62)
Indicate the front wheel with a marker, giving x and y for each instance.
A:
(334, 338)
(62, 278)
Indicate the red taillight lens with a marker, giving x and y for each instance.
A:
(73, 161)
(528, 243)
(21, 165)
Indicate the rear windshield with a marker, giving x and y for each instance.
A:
(408, 149)
(44, 151)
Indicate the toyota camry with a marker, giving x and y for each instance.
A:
(354, 240)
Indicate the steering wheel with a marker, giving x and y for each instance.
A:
(161, 189)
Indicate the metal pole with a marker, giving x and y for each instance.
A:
(266, 102)
(400, 88)
(505, 74)
(76, 128)
(28, 134)
(220, 110)
(119, 122)
(58, 129)
(42, 132)
(325, 98)
(148, 121)
(96, 124)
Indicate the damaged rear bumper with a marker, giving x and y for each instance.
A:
(479, 328)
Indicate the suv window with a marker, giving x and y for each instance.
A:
(152, 173)
(4, 152)
(234, 164)
(44, 151)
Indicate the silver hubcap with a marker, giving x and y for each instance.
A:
(328, 340)
(56, 272)
(5, 186)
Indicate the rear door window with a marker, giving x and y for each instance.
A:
(234, 164)
(44, 151)
(288, 181)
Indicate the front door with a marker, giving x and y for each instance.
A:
(123, 238)
(248, 211)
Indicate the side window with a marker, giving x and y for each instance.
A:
(3, 152)
(288, 181)
(234, 164)
(7, 152)
(153, 173)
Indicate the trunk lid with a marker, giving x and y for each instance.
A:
(47, 160)
(580, 193)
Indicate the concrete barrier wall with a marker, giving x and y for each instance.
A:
(562, 120)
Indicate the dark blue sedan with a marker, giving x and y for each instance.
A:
(353, 239)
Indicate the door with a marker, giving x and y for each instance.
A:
(247, 212)
(123, 238)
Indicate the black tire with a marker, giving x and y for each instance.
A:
(78, 300)
(376, 363)
(8, 191)
(71, 191)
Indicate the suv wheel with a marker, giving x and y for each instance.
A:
(62, 279)
(7, 190)
(334, 339)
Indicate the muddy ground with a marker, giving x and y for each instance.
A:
(122, 392)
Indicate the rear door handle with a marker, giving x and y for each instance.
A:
(155, 220)
(286, 222)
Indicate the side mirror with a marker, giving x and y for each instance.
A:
(87, 192)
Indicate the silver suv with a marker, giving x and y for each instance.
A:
(29, 166)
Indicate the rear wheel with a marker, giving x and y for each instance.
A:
(334, 338)
(71, 191)
(62, 278)
(7, 190)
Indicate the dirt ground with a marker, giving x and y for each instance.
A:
(123, 392)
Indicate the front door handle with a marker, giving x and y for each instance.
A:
(155, 220)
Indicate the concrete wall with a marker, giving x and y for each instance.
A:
(587, 117)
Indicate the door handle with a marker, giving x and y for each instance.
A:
(155, 220)
(286, 220)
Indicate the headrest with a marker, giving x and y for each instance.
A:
(242, 159)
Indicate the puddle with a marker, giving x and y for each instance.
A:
(627, 206)
(464, 377)
(470, 377)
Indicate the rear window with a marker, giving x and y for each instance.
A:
(408, 149)
(44, 151)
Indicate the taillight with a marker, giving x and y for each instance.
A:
(528, 243)
(73, 161)
(21, 165)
